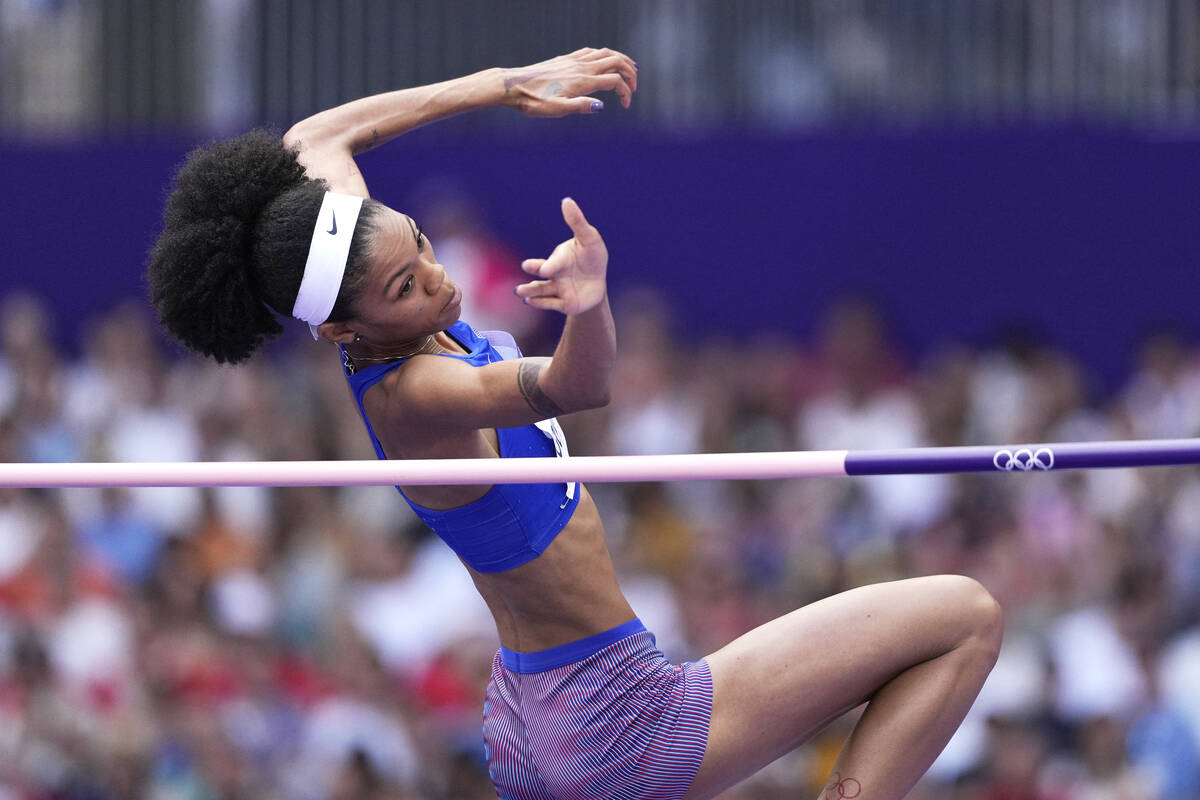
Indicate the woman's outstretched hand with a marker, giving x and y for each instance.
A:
(572, 279)
(564, 85)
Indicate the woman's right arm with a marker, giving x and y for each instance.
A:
(435, 395)
(328, 141)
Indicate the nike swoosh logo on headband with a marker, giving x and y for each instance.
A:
(333, 231)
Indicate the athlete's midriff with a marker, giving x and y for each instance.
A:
(567, 593)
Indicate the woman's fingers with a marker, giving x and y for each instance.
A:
(575, 105)
(576, 100)
(573, 216)
(617, 64)
(582, 256)
(612, 82)
(541, 294)
(547, 303)
(549, 267)
(560, 86)
(536, 289)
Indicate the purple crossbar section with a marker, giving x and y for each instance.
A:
(1024, 458)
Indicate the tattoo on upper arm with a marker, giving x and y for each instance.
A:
(362, 147)
(517, 80)
(527, 379)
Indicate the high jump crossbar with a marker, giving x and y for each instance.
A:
(610, 469)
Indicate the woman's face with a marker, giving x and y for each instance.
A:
(407, 294)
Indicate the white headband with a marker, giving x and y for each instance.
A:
(326, 258)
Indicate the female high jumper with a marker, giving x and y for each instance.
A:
(581, 704)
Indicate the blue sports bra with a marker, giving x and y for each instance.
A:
(512, 523)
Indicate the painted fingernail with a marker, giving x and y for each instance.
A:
(597, 105)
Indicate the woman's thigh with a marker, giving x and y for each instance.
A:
(776, 686)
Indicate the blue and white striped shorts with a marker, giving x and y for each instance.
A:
(615, 719)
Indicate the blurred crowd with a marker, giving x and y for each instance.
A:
(71, 67)
(320, 644)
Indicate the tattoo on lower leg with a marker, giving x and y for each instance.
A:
(842, 788)
(528, 381)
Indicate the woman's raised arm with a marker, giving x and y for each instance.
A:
(328, 141)
(433, 396)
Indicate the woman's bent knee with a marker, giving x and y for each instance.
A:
(971, 612)
(985, 619)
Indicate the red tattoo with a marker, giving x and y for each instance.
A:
(843, 788)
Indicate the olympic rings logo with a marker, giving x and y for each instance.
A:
(843, 788)
(1024, 459)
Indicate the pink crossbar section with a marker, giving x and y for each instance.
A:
(595, 469)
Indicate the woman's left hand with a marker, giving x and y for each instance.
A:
(573, 279)
(563, 85)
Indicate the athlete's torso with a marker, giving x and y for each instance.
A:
(536, 552)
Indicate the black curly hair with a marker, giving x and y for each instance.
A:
(235, 239)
